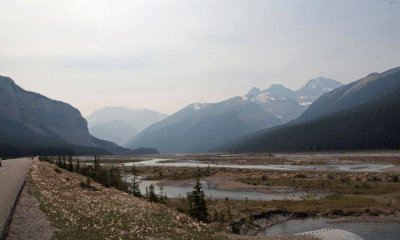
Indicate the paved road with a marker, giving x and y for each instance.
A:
(12, 176)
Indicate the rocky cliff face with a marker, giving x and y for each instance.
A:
(31, 119)
(35, 109)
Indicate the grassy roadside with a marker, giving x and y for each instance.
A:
(106, 213)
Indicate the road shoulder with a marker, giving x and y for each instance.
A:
(29, 222)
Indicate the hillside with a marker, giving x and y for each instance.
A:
(371, 87)
(34, 124)
(362, 115)
(107, 213)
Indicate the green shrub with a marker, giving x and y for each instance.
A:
(395, 178)
(87, 185)
(301, 175)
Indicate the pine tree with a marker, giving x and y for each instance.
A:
(135, 185)
(77, 167)
(152, 194)
(64, 162)
(163, 196)
(197, 203)
(112, 176)
(70, 166)
(96, 162)
(229, 208)
(135, 188)
(59, 164)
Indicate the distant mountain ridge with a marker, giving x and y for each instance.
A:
(120, 124)
(198, 127)
(314, 88)
(117, 131)
(32, 121)
(362, 115)
(287, 104)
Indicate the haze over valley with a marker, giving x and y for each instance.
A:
(203, 120)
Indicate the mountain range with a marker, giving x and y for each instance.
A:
(197, 127)
(120, 124)
(34, 124)
(287, 104)
(362, 115)
(200, 127)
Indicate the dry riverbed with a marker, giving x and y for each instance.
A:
(286, 158)
(389, 157)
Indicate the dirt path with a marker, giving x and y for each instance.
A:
(29, 222)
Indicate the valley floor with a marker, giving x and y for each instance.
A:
(356, 194)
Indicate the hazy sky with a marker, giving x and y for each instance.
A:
(164, 54)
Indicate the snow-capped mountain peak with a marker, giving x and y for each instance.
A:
(287, 104)
(197, 106)
(252, 93)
